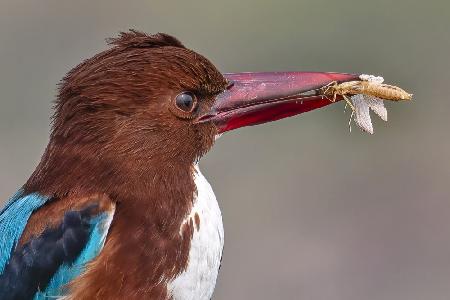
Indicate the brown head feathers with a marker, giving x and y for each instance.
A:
(114, 115)
(138, 39)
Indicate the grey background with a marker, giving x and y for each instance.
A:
(310, 210)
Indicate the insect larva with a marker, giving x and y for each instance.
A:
(369, 88)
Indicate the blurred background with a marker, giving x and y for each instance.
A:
(311, 211)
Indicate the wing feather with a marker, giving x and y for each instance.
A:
(13, 219)
(44, 264)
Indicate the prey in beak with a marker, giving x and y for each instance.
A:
(256, 98)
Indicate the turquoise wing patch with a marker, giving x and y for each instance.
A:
(15, 264)
(66, 273)
(13, 219)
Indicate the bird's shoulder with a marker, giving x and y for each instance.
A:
(53, 211)
(50, 240)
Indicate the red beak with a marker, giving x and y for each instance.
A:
(256, 98)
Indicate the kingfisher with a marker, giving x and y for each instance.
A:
(117, 208)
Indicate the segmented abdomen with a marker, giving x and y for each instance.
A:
(384, 91)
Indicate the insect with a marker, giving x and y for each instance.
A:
(369, 92)
(367, 87)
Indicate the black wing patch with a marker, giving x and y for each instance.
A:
(32, 265)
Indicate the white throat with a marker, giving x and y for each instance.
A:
(199, 279)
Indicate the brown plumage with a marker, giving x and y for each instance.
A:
(113, 135)
(129, 126)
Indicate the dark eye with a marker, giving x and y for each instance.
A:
(186, 101)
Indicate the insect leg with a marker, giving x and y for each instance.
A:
(350, 120)
(349, 102)
(330, 89)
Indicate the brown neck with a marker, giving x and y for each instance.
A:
(152, 198)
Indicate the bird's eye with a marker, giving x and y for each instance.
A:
(186, 101)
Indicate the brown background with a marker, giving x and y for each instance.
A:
(310, 210)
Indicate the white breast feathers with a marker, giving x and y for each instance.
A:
(199, 279)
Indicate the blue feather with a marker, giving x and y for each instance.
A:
(68, 272)
(13, 219)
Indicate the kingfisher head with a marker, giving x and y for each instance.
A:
(149, 103)
(139, 99)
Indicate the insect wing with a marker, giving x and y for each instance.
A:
(377, 105)
(362, 115)
(371, 78)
